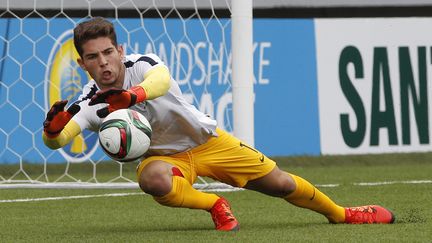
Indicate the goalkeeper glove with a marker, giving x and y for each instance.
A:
(57, 118)
(117, 99)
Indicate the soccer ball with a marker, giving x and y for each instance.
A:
(125, 135)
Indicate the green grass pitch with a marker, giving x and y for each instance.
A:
(137, 218)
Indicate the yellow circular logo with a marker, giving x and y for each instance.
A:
(63, 81)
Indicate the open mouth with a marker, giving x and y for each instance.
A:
(106, 74)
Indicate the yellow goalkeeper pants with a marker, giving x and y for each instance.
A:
(224, 158)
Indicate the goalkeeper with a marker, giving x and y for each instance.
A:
(185, 142)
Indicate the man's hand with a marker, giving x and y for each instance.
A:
(57, 118)
(117, 99)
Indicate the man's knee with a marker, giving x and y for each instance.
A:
(277, 183)
(283, 184)
(156, 179)
(288, 184)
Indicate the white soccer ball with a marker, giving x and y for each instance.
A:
(125, 135)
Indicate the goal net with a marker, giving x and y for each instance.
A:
(38, 67)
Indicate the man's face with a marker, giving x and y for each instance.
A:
(103, 61)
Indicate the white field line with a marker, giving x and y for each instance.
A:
(235, 189)
(70, 197)
(392, 182)
(94, 196)
(379, 183)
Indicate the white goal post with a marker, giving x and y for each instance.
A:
(242, 70)
(207, 44)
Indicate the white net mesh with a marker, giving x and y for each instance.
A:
(38, 67)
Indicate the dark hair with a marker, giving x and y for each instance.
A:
(92, 29)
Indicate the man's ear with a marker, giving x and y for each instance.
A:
(120, 49)
(81, 63)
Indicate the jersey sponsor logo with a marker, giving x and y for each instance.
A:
(64, 80)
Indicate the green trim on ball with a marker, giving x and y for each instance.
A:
(119, 123)
(139, 124)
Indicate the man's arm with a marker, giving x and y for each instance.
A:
(59, 129)
(155, 84)
(71, 130)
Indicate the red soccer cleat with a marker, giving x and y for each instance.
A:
(371, 214)
(222, 216)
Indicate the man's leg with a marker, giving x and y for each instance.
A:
(168, 187)
(301, 193)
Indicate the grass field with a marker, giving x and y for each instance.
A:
(137, 218)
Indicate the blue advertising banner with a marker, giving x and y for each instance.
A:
(38, 67)
(286, 100)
